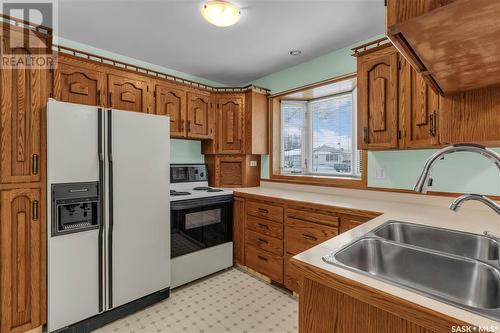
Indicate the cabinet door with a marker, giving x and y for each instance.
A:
(418, 112)
(230, 126)
(128, 93)
(199, 116)
(20, 249)
(78, 84)
(172, 102)
(239, 230)
(23, 97)
(377, 99)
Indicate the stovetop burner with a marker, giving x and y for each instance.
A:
(207, 189)
(175, 193)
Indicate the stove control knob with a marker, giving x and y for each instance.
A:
(202, 174)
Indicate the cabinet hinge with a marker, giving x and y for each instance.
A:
(399, 65)
(399, 135)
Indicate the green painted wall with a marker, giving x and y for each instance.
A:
(181, 151)
(460, 172)
(185, 151)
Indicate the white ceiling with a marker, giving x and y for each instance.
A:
(173, 34)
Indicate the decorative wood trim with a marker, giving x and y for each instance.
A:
(63, 50)
(371, 46)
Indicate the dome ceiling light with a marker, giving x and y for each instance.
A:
(221, 13)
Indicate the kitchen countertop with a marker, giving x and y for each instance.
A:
(427, 210)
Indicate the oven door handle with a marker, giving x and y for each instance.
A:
(198, 203)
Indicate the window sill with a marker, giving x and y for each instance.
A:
(356, 183)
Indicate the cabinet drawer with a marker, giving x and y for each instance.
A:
(265, 227)
(313, 215)
(348, 224)
(265, 263)
(265, 210)
(263, 242)
(291, 275)
(301, 235)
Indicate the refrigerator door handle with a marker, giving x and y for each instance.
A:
(110, 209)
(100, 151)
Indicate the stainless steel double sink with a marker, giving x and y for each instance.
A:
(459, 268)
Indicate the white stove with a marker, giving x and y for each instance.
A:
(200, 224)
(195, 190)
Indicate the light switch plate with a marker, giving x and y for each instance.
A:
(379, 172)
(253, 163)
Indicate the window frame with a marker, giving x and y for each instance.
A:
(276, 143)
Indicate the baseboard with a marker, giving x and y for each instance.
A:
(107, 317)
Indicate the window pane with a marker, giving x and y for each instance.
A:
(332, 137)
(292, 115)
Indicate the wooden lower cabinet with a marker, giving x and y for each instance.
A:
(291, 277)
(22, 298)
(268, 264)
(332, 304)
(239, 230)
(302, 235)
(274, 230)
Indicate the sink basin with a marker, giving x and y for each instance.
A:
(461, 280)
(454, 267)
(445, 240)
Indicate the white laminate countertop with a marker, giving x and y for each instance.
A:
(428, 210)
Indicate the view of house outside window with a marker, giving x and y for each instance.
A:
(319, 137)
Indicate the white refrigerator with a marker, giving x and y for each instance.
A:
(108, 221)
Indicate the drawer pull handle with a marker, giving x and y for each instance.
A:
(262, 258)
(262, 241)
(263, 210)
(309, 237)
(263, 226)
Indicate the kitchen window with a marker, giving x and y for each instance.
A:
(319, 137)
(317, 133)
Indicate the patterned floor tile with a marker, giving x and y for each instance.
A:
(231, 301)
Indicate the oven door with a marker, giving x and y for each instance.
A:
(200, 223)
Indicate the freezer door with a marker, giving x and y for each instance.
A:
(73, 274)
(72, 143)
(139, 207)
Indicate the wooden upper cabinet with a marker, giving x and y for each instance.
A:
(230, 124)
(378, 99)
(439, 40)
(128, 92)
(199, 116)
(78, 82)
(23, 97)
(20, 248)
(171, 101)
(418, 109)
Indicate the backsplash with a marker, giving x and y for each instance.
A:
(185, 151)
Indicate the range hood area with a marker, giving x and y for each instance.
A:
(453, 44)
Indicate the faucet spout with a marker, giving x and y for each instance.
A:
(425, 179)
(457, 203)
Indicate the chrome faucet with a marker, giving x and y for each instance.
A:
(425, 179)
(455, 205)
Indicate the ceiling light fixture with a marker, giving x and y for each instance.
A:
(295, 52)
(221, 13)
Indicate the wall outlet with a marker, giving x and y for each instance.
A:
(253, 163)
(379, 172)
